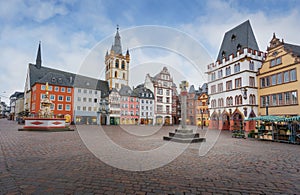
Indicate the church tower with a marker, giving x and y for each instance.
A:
(117, 65)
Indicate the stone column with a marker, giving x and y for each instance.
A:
(183, 86)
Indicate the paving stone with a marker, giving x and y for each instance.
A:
(60, 163)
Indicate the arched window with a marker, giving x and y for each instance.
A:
(240, 99)
(236, 100)
(123, 65)
(116, 74)
(117, 63)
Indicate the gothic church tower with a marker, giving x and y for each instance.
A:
(117, 65)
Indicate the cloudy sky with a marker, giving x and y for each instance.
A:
(76, 34)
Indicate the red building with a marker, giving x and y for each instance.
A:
(129, 106)
(60, 96)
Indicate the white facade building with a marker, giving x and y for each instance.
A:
(232, 86)
(161, 85)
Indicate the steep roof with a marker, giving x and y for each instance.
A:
(141, 92)
(239, 37)
(117, 47)
(295, 49)
(62, 78)
(125, 90)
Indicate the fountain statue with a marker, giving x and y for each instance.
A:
(45, 120)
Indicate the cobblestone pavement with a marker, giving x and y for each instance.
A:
(59, 163)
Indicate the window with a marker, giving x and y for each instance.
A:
(213, 89)
(293, 75)
(56, 88)
(238, 83)
(96, 92)
(60, 107)
(275, 62)
(286, 76)
(69, 90)
(273, 77)
(84, 108)
(79, 90)
(167, 92)
(52, 106)
(123, 65)
(213, 76)
(50, 88)
(68, 107)
(60, 98)
(228, 71)
(116, 74)
(84, 91)
(79, 99)
(95, 100)
(262, 101)
(220, 74)
(280, 99)
(117, 63)
(68, 98)
(287, 97)
(279, 78)
(89, 108)
(43, 87)
(228, 85)
(237, 68)
(90, 91)
(168, 100)
(123, 75)
(220, 87)
(274, 99)
(90, 99)
(160, 91)
(251, 65)
(63, 89)
(262, 82)
(267, 81)
(294, 97)
(78, 107)
(159, 108)
(52, 97)
(251, 81)
(84, 99)
(159, 99)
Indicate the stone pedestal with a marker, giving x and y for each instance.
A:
(184, 136)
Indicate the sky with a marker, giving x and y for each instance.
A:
(75, 35)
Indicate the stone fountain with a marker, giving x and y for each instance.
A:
(184, 134)
(45, 120)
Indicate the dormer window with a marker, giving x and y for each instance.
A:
(233, 37)
(60, 80)
(239, 47)
(223, 54)
(53, 79)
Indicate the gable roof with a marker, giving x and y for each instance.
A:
(241, 36)
(62, 78)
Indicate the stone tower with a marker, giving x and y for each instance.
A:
(117, 65)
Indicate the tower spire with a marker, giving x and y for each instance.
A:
(38, 61)
(117, 44)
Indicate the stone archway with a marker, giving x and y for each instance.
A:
(224, 123)
(237, 120)
(214, 121)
